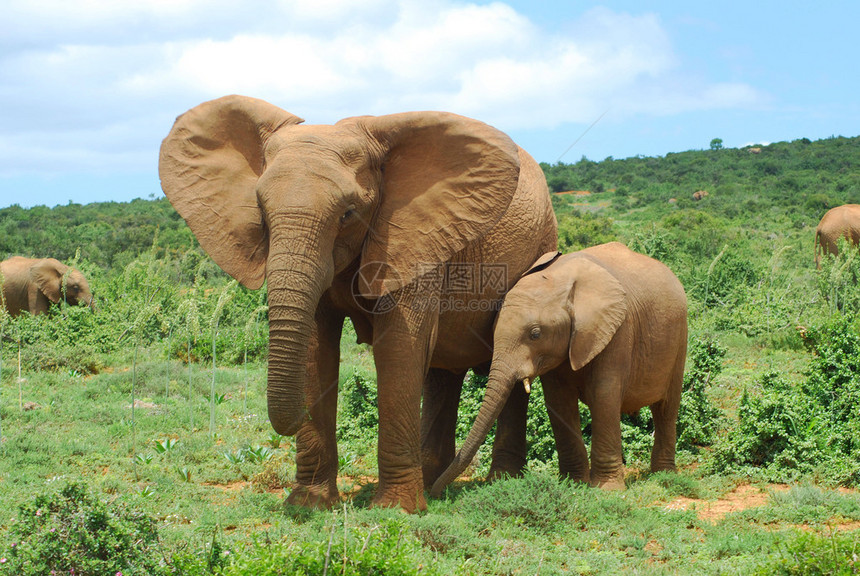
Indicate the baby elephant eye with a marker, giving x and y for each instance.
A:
(535, 333)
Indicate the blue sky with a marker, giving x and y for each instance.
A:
(89, 89)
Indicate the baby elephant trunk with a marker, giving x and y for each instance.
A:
(499, 386)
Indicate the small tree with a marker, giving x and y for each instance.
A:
(717, 144)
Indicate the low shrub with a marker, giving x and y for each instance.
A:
(387, 548)
(359, 408)
(787, 430)
(72, 532)
(698, 419)
(810, 554)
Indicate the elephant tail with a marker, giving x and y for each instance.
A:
(818, 248)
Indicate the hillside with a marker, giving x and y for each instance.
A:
(775, 187)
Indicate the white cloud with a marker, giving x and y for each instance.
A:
(77, 75)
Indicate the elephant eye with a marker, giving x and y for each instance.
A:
(350, 212)
(535, 333)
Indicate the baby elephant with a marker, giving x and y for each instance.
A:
(604, 325)
(32, 284)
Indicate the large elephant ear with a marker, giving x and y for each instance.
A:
(209, 166)
(446, 181)
(47, 275)
(598, 306)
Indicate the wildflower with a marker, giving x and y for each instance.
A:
(3, 560)
(39, 512)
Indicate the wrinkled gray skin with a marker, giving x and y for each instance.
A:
(604, 325)
(352, 220)
(839, 222)
(33, 284)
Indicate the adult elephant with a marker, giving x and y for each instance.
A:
(840, 222)
(32, 284)
(413, 225)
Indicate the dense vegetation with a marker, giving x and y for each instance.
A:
(141, 429)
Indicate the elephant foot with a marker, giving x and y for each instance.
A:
(319, 496)
(609, 484)
(408, 497)
(576, 476)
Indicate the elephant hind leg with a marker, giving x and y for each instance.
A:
(441, 399)
(665, 416)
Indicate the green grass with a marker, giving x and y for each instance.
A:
(82, 432)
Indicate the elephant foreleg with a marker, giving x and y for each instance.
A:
(562, 405)
(403, 342)
(439, 406)
(607, 464)
(316, 443)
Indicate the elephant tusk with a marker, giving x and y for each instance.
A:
(527, 385)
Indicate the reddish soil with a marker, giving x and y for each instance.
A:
(741, 498)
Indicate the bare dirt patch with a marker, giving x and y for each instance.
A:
(230, 487)
(743, 497)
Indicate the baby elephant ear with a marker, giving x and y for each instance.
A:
(47, 274)
(598, 306)
(542, 262)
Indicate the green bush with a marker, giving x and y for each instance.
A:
(360, 416)
(788, 430)
(814, 555)
(578, 230)
(833, 377)
(72, 532)
(384, 549)
(776, 433)
(538, 501)
(837, 277)
(698, 419)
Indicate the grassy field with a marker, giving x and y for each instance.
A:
(229, 488)
(136, 439)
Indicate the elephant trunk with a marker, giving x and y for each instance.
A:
(296, 281)
(499, 385)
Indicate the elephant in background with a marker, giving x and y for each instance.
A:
(32, 284)
(413, 225)
(604, 325)
(839, 222)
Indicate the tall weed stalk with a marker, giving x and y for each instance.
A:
(188, 311)
(225, 297)
(250, 328)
